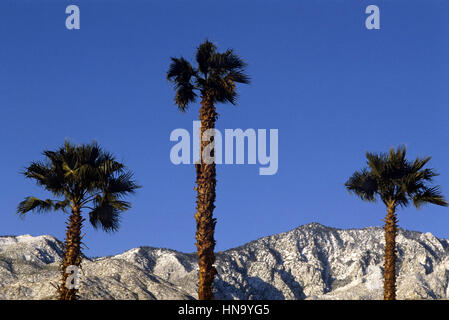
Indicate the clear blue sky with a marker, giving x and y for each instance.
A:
(333, 89)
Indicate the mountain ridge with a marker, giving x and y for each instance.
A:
(311, 261)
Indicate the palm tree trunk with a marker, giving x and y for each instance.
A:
(390, 252)
(205, 223)
(72, 254)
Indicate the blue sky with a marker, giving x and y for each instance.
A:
(333, 89)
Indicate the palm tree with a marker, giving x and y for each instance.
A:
(80, 177)
(215, 79)
(397, 182)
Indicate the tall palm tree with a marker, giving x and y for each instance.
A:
(397, 182)
(215, 79)
(80, 177)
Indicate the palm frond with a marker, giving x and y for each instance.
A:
(223, 91)
(62, 205)
(225, 62)
(185, 95)
(122, 185)
(363, 184)
(180, 73)
(237, 76)
(377, 163)
(107, 164)
(106, 217)
(106, 213)
(34, 204)
(429, 195)
(203, 54)
(419, 163)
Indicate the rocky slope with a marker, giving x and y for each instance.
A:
(309, 262)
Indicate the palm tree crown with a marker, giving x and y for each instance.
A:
(80, 177)
(215, 75)
(391, 177)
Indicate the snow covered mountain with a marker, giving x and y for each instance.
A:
(309, 262)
